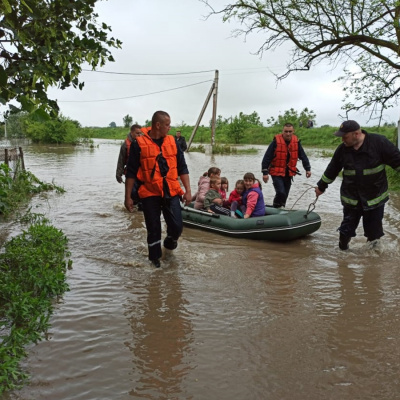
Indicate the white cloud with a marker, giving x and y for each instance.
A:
(173, 37)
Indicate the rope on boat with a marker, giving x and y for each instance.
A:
(311, 207)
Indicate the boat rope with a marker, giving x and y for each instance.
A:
(311, 207)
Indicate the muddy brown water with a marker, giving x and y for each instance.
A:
(223, 318)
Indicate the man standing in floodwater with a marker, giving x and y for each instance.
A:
(363, 157)
(156, 161)
(280, 161)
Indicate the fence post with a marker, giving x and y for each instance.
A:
(22, 158)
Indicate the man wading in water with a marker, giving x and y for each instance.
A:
(155, 162)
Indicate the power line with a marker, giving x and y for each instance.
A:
(131, 97)
(134, 73)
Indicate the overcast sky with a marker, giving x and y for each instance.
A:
(173, 37)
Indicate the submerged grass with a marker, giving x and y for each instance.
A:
(18, 191)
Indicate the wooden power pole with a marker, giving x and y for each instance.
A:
(214, 92)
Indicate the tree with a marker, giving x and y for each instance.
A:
(237, 127)
(112, 125)
(127, 120)
(44, 43)
(293, 117)
(16, 127)
(364, 35)
(57, 130)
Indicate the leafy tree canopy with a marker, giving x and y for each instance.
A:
(44, 43)
(293, 117)
(364, 35)
(127, 120)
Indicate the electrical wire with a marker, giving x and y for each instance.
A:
(131, 97)
(137, 73)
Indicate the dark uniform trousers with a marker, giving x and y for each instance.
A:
(153, 206)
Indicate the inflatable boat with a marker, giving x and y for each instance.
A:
(276, 225)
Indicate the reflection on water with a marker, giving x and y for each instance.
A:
(161, 336)
(223, 318)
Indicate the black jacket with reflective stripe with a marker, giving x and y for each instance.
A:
(364, 175)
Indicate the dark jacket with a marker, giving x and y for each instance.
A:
(181, 141)
(364, 175)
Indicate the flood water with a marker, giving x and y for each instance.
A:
(223, 318)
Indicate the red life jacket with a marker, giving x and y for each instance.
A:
(149, 171)
(280, 160)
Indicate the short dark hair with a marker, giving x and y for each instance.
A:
(288, 124)
(214, 171)
(158, 116)
(135, 126)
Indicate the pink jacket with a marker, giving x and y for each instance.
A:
(204, 186)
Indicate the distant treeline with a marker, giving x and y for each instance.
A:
(313, 137)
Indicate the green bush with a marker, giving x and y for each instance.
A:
(32, 274)
(16, 192)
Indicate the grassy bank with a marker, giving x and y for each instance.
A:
(32, 276)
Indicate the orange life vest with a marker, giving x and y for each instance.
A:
(280, 160)
(128, 143)
(149, 170)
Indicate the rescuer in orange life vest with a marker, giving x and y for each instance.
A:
(155, 162)
(280, 161)
(124, 151)
(134, 132)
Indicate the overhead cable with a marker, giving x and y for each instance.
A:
(137, 73)
(131, 97)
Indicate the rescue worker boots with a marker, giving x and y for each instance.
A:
(344, 242)
(170, 243)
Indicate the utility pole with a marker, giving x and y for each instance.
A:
(213, 92)
(214, 112)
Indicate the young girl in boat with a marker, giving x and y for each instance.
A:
(235, 199)
(224, 188)
(204, 186)
(253, 198)
(213, 200)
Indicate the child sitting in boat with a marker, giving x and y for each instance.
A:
(253, 198)
(204, 186)
(224, 188)
(235, 199)
(213, 201)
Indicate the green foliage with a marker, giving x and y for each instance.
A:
(32, 273)
(104, 133)
(16, 124)
(43, 44)
(13, 193)
(361, 35)
(61, 130)
(55, 130)
(237, 128)
(293, 117)
(112, 125)
(127, 120)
